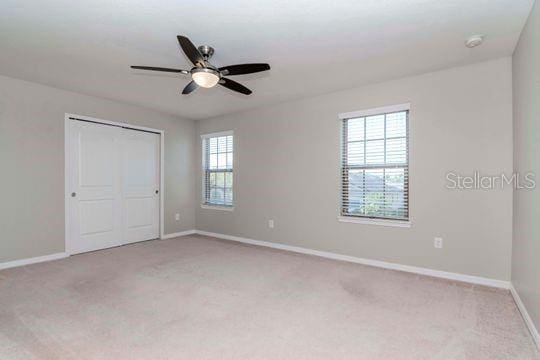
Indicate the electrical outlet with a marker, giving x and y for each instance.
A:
(438, 243)
(271, 224)
(177, 217)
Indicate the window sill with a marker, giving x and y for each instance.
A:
(217, 207)
(379, 222)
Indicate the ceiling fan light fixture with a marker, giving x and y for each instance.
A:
(205, 77)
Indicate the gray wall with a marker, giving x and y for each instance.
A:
(32, 163)
(526, 236)
(287, 169)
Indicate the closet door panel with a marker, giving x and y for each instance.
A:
(94, 197)
(140, 185)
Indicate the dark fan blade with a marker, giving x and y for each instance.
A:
(160, 69)
(244, 69)
(191, 51)
(192, 86)
(233, 85)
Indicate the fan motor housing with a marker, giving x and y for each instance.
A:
(206, 51)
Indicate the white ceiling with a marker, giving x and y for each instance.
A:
(314, 47)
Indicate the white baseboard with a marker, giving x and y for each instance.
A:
(34, 260)
(177, 234)
(56, 256)
(382, 264)
(526, 317)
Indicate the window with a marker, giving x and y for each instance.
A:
(375, 164)
(218, 169)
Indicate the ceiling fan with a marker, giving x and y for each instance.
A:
(206, 75)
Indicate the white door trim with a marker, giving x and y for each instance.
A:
(67, 170)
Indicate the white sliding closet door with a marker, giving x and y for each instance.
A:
(140, 185)
(113, 186)
(95, 196)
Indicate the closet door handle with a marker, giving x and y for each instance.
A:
(73, 194)
(157, 191)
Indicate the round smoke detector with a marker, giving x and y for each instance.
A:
(474, 41)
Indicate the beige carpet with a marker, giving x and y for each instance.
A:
(200, 298)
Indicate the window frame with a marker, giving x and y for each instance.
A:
(366, 219)
(205, 204)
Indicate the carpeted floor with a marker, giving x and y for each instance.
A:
(199, 298)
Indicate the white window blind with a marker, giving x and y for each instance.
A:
(375, 165)
(218, 169)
